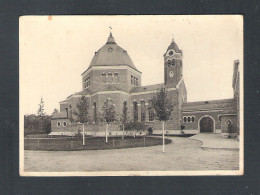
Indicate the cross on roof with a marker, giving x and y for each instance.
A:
(110, 28)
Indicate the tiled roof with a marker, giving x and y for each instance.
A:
(147, 88)
(58, 115)
(111, 55)
(174, 46)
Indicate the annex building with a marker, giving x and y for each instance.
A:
(113, 76)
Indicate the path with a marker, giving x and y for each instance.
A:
(181, 154)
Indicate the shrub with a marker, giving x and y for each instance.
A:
(135, 126)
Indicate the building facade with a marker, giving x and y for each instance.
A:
(112, 76)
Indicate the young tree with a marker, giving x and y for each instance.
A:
(124, 118)
(163, 108)
(82, 114)
(108, 114)
(41, 112)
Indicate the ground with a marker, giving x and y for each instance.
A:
(181, 154)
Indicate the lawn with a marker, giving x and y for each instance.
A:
(91, 143)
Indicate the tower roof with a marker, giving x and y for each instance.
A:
(111, 54)
(174, 46)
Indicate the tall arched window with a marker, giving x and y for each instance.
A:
(135, 111)
(132, 79)
(143, 111)
(95, 112)
(151, 111)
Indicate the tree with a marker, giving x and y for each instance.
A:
(163, 108)
(40, 111)
(108, 114)
(54, 111)
(82, 114)
(124, 118)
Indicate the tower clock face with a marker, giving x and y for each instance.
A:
(171, 74)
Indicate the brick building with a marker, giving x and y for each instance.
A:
(112, 75)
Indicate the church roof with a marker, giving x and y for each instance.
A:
(147, 88)
(111, 55)
(60, 115)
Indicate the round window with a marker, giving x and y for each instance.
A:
(110, 49)
(171, 53)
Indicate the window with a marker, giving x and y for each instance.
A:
(171, 53)
(132, 79)
(116, 79)
(135, 111)
(151, 111)
(189, 119)
(136, 83)
(143, 111)
(95, 112)
(58, 124)
(173, 62)
(64, 123)
(87, 82)
(169, 63)
(124, 111)
(104, 78)
(110, 78)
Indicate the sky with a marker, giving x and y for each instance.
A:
(55, 50)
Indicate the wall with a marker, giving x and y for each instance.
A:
(224, 125)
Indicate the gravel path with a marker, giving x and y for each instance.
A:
(181, 154)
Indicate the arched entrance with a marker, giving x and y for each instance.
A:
(206, 124)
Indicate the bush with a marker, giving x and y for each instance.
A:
(135, 126)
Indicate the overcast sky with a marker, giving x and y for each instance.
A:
(54, 51)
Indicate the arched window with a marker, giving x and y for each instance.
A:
(94, 112)
(136, 83)
(132, 79)
(135, 111)
(150, 111)
(104, 78)
(64, 123)
(188, 119)
(173, 62)
(185, 119)
(116, 77)
(169, 63)
(143, 111)
(192, 119)
(110, 78)
(58, 124)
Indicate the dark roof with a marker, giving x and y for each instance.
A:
(59, 115)
(147, 88)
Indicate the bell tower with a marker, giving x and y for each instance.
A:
(172, 65)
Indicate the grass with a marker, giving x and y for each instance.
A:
(91, 143)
